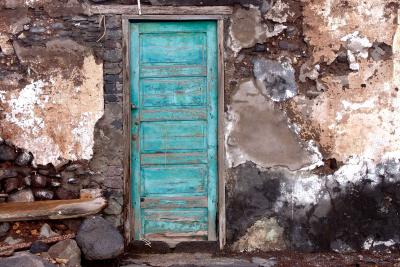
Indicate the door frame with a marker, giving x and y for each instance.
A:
(128, 207)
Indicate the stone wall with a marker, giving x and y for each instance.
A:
(311, 126)
(61, 103)
(311, 105)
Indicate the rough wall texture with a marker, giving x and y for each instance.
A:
(61, 104)
(311, 126)
(311, 113)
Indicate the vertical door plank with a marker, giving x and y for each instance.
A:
(135, 69)
(212, 80)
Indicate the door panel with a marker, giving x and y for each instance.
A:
(182, 91)
(174, 129)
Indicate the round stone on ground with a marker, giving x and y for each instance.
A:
(4, 227)
(25, 259)
(68, 250)
(38, 247)
(99, 239)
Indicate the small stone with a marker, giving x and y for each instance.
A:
(113, 207)
(6, 251)
(27, 180)
(112, 68)
(8, 174)
(11, 184)
(25, 259)
(114, 35)
(57, 26)
(260, 48)
(37, 29)
(7, 153)
(11, 241)
(55, 183)
(68, 250)
(113, 22)
(43, 194)
(73, 180)
(90, 193)
(340, 246)
(38, 247)
(45, 231)
(264, 262)
(62, 193)
(114, 55)
(23, 158)
(24, 195)
(287, 45)
(73, 167)
(4, 227)
(94, 229)
(43, 172)
(27, 27)
(39, 181)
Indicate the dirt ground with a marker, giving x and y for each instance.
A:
(208, 255)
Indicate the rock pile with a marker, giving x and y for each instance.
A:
(67, 252)
(23, 182)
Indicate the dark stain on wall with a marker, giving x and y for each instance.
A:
(252, 197)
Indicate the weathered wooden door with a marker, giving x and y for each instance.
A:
(174, 129)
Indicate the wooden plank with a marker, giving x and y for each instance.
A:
(221, 141)
(174, 202)
(173, 136)
(25, 245)
(178, 222)
(174, 158)
(173, 92)
(173, 70)
(212, 79)
(135, 143)
(171, 180)
(50, 209)
(158, 10)
(173, 114)
(175, 46)
(128, 209)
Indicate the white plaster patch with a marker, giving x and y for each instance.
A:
(369, 104)
(49, 117)
(23, 107)
(370, 243)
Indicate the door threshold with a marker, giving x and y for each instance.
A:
(161, 247)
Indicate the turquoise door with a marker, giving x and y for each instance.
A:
(174, 129)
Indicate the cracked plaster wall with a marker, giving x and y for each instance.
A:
(317, 152)
(311, 111)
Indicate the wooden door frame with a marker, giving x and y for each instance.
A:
(128, 208)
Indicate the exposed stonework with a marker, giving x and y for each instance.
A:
(301, 77)
(264, 235)
(246, 29)
(54, 114)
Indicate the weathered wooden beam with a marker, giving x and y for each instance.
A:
(50, 209)
(158, 10)
(25, 245)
